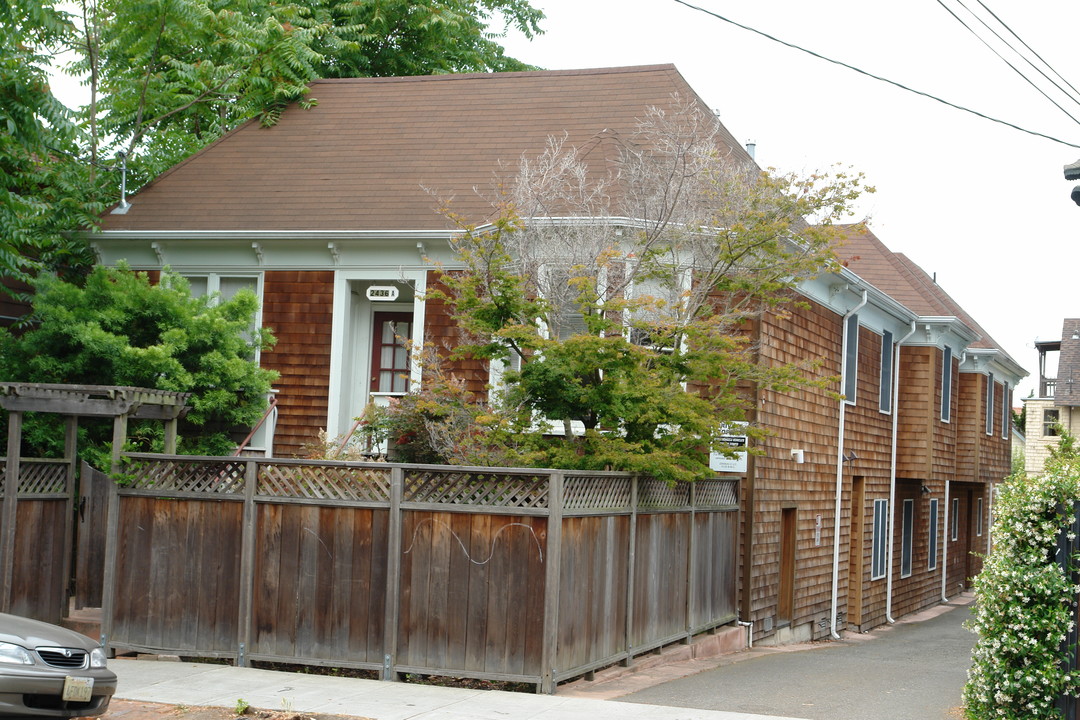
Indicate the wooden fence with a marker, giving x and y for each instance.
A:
(534, 576)
(36, 521)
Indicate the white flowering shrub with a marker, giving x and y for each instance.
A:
(1023, 601)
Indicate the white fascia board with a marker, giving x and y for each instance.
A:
(244, 249)
(942, 330)
(841, 291)
(992, 360)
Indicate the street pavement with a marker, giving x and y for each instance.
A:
(913, 670)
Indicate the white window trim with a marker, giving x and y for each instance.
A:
(978, 517)
(1006, 411)
(954, 532)
(990, 404)
(887, 357)
(932, 545)
(946, 385)
(880, 541)
(907, 539)
(850, 376)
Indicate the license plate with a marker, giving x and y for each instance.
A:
(78, 689)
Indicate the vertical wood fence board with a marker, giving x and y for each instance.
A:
(477, 611)
(439, 581)
(660, 577)
(534, 598)
(38, 584)
(497, 599)
(376, 570)
(457, 598)
(268, 586)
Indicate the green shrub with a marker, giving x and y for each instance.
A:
(1024, 597)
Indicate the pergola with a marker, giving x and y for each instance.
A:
(72, 401)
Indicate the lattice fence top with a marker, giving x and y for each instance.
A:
(719, 493)
(492, 489)
(324, 482)
(42, 478)
(657, 494)
(604, 492)
(223, 476)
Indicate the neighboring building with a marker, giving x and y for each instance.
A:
(1058, 401)
(855, 512)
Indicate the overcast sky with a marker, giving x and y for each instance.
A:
(983, 206)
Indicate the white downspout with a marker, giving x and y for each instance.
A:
(892, 474)
(840, 471)
(945, 549)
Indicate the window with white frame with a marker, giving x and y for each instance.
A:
(654, 309)
(226, 286)
(990, 404)
(562, 293)
(851, 359)
(946, 385)
(879, 558)
(1050, 420)
(907, 537)
(1006, 411)
(979, 516)
(932, 563)
(954, 532)
(885, 395)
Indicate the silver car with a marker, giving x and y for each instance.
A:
(50, 671)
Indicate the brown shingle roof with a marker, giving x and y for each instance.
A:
(907, 283)
(360, 159)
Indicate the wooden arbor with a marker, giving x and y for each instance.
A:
(52, 481)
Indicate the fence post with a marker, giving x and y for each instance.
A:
(690, 564)
(112, 538)
(393, 575)
(8, 507)
(631, 552)
(247, 563)
(71, 434)
(548, 655)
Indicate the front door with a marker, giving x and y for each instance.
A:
(391, 332)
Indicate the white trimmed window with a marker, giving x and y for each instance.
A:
(954, 533)
(932, 563)
(879, 558)
(990, 404)
(907, 538)
(885, 394)
(946, 385)
(851, 359)
(978, 516)
(1006, 411)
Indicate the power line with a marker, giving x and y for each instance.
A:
(1002, 57)
(1030, 49)
(878, 77)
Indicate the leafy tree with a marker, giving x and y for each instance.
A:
(169, 76)
(120, 329)
(43, 190)
(633, 338)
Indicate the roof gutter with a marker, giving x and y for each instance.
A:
(840, 470)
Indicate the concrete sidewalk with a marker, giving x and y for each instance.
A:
(197, 684)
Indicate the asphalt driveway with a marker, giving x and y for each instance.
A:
(914, 670)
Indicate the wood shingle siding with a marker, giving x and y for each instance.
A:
(297, 306)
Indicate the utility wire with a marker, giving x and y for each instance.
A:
(1030, 49)
(878, 77)
(1002, 57)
